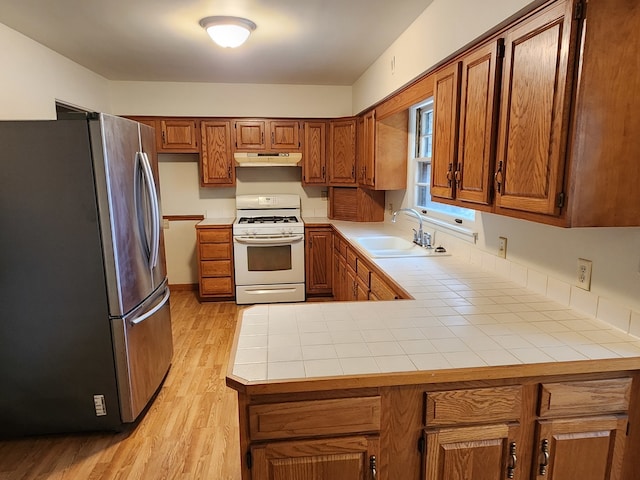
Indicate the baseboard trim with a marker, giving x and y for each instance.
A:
(183, 287)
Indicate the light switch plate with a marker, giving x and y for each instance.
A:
(584, 274)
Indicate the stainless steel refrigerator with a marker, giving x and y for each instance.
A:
(85, 326)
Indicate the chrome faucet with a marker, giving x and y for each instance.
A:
(419, 237)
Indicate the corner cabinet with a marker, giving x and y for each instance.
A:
(383, 151)
(216, 158)
(342, 152)
(318, 248)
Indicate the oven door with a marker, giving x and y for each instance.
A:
(269, 260)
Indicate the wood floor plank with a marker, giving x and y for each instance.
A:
(190, 431)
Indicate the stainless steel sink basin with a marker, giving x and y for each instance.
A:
(388, 246)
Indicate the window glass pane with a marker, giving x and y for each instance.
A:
(423, 172)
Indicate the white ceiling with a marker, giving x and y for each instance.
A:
(313, 42)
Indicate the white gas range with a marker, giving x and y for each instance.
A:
(268, 247)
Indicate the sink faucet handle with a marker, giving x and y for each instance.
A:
(426, 240)
(416, 236)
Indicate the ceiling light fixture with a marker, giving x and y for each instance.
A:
(228, 31)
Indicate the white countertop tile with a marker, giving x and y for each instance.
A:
(461, 316)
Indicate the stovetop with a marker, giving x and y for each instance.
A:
(268, 219)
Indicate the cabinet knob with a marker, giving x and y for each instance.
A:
(544, 450)
(372, 466)
(498, 177)
(513, 460)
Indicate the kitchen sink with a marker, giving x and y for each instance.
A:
(383, 246)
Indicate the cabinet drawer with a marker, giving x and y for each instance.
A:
(214, 236)
(314, 418)
(352, 259)
(215, 268)
(591, 396)
(214, 251)
(451, 407)
(216, 286)
(381, 290)
(363, 271)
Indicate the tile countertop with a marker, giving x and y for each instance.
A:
(461, 317)
(214, 222)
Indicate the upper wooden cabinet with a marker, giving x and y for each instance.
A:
(342, 152)
(177, 135)
(270, 135)
(534, 119)
(314, 156)
(383, 151)
(465, 113)
(216, 159)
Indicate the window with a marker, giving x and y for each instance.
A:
(421, 169)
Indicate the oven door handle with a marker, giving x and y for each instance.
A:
(269, 240)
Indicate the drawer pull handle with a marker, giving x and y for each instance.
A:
(372, 466)
(544, 447)
(513, 460)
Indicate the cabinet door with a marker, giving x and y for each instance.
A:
(445, 130)
(342, 152)
(216, 161)
(284, 135)
(348, 458)
(479, 453)
(580, 448)
(536, 94)
(319, 263)
(367, 166)
(250, 134)
(478, 108)
(178, 136)
(314, 158)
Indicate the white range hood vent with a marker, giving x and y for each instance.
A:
(251, 159)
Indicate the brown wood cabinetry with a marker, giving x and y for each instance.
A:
(439, 431)
(271, 135)
(356, 204)
(177, 135)
(314, 157)
(215, 262)
(383, 155)
(465, 113)
(216, 159)
(342, 152)
(318, 260)
(534, 118)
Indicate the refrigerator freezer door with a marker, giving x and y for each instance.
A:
(143, 349)
(117, 163)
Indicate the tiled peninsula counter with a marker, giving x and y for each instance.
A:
(473, 365)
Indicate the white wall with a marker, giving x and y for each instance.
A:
(443, 28)
(537, 250)
(33, 77)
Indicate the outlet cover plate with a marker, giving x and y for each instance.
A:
(502, 247)
(583, 278)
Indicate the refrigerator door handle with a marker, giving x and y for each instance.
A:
(150, 313)
(154, 248)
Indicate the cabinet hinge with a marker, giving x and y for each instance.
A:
(579, 13)
(422, 445)
(249, 460)
(561, 199)
(628, 426)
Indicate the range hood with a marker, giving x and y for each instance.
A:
(252, 159)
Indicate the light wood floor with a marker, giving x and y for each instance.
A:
(190, 431)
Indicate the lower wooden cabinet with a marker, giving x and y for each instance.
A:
(348, 458)
(215, 262)
(486, 452)
(318, 260)
(584, 448)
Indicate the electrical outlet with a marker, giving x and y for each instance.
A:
(584, 274)
(390, 208)
(165, 224)
(502, 247)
